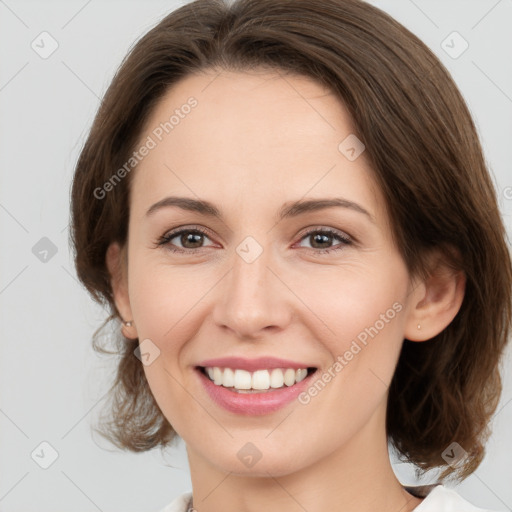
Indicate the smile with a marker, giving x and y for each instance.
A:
(257, 392)
(260, 380)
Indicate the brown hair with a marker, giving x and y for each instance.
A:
(427, 159)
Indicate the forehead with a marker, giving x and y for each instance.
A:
(249, 137)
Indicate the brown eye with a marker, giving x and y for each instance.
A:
(189, 239)
(192, 238)
(322, 237)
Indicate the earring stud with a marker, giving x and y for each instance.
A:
(128, 324)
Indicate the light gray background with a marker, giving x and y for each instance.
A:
(52, 383)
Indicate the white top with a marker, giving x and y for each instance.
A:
(437, 498)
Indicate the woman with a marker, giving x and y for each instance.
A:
(286, 204)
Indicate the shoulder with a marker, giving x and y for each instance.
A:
(438, 498)
(179, 504)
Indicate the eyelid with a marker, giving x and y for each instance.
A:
(345, 239)
(182, 229)
(323, 228)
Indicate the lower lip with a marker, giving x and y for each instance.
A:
(253, 403)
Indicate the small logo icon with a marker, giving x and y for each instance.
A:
(454, 454)
(249, 249)
(351, 147)
(44, 250)
(147, 352)
(454, 45)
(249, 455)
(44, 45)
(44, 455)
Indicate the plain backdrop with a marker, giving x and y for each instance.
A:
(52, 383)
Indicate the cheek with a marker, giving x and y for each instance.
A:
(362, 319)
(162, 298)
(171, 397)
(351, 299)
(166, 309)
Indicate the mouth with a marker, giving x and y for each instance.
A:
(265, 380)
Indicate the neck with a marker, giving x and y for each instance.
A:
(357, 477)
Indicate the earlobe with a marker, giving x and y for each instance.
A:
(116, 265)
(435, 303)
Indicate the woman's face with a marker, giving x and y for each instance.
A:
(263, 279)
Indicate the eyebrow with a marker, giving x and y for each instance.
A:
(288, 210)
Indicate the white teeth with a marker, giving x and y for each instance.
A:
(276, 378)
(242, 379)
(301, 374)
(258, 380)
(228, 378)
(289, 377)
(217, 376)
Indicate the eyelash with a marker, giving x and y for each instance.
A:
(165, 239)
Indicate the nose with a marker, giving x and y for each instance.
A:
(253, 298)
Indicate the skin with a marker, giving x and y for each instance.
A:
(255, 141)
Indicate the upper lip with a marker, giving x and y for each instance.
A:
(250, 365)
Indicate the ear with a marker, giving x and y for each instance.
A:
(116, 262)
(435, 301)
